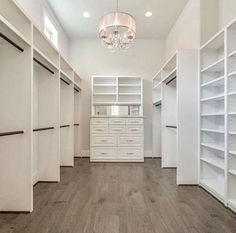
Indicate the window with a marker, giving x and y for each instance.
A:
(50, 30)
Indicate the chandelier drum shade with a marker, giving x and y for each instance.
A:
(117, 30)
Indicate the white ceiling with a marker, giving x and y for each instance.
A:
(70, 15)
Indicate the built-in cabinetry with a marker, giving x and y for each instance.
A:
(117, 124)
(34, 107)
(175, 110)
(218, 116)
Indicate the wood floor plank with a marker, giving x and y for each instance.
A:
(120, 198)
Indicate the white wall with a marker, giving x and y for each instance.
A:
(91, 58)
(227, 12)
(185, 34)
(35, 10)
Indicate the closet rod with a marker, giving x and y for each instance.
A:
(42, 129)
(45, 67)
(76, 124)
(11, 133)
(65, 81)
(171, 80)
(76, 90)
(11, 42)
(64, 126)
(171, 126)
(157, 105)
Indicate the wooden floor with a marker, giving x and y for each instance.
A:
(120, 198)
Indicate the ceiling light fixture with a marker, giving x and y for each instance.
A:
(148, 14)
(86, 14)
(117, 30)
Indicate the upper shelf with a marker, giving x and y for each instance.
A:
(66, 68)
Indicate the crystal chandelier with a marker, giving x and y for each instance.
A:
(117, 30)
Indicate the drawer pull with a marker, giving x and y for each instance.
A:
(134, 129)
(130, 140)
(104, 140)
(117, 129)
(99, 130)
(129, 153)
(104, 153)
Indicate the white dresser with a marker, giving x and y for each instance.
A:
(116, 139)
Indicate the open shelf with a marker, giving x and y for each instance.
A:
(213, 131)
(215, 82)
(214, 146)
(214, 161)
(66, 68)
(214, 98)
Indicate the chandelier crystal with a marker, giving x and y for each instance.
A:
(117, 30)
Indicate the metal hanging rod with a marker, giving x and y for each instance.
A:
(76, 89)
(45, 67)
(171, 126)
(171, 80)
(42, 129)
(11, 133)
(157, 105)
(67, 83)
(76, 124)
(11, 42)
(64, 126)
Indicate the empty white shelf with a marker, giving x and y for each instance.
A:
(232, 172)
(217, 98)
(213, 185)
(232, 132)
(172, 73)
(129, 93)
(232, 93)
(216, 82)
(232, 113)
(232, 152)
(232, 74)
(129, 85)
(215, 161)
(232, 54)
(104, 85)
(215, 67)
(214, 146)
(96, 94)
(213, 114)
(213, 130)
(157, 85)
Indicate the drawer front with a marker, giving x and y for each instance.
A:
(104, 153)
(99, 121)
(99, 129)
(134, 121)
(103, 140)
(116, 121)
(116, 128)
(133, 140)
(134, 129)
(130, 153)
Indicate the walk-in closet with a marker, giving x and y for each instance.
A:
(117, 116)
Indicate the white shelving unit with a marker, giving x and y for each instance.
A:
(117, 90)
(45, 120)
(66, 114)
(77, 116)
(218, 88)
(30, 134)
(175, 97)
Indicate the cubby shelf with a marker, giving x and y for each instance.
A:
(213, 131)
(97, 94)
(214, 98)
(232, 132)
(232, 93)
(232, 172)
(216, 82)
(215, 67)
(232, 74)
(214, 161)
(232, 54)
(214, 186)
(232, 152)
(214, 146)
(212, 114)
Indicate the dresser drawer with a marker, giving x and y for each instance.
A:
(134, 129)
(116, 128)
(104, 153)
(99, 121)
(103, 140)
(130, 153)
(116, 121)
(99, 129)
(133, 140)
(134, 121)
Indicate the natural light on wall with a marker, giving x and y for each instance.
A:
(50, 30)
